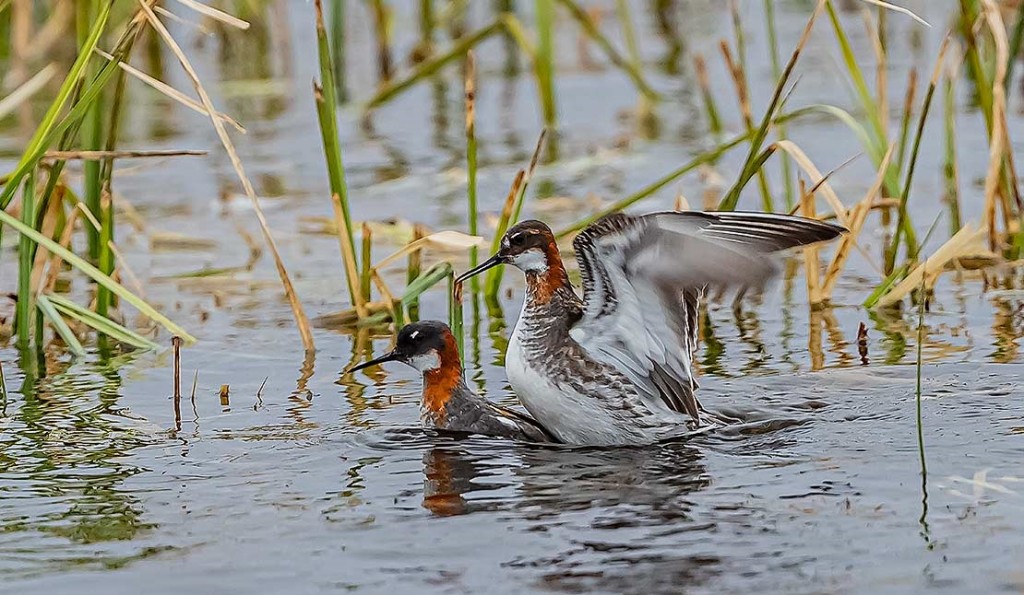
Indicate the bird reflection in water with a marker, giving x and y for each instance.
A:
(448, 474)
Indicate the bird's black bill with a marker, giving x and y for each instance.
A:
(387, 357)
(490, 263)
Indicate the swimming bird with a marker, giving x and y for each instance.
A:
(447, 403)
(616, 367)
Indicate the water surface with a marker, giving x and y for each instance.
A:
(304, 481)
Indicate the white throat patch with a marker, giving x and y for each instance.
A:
(426, 362)
(531, 261)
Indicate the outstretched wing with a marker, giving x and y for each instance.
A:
(643, 278)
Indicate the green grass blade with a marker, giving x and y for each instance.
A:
(904, 227)
(650, 189)
(428, 279)
(59, 326)
(100, 324)
(24, 310)
(887, 284)
(455, 316)
(327, 106)
(544, 65)
(96, 275)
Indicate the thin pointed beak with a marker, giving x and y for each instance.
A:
(387, 357)
(490, 263)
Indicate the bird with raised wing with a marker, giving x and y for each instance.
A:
(616, 367)
(447, 403)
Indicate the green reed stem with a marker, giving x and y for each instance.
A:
(908, 114)
(91, 131)
(785, 162)
(455, 316)
(868, 104)
(969, 10)
(327, 116)
(545, 62)
(366, 258)
(950, 171)
(26, 257)
(337, 49)
(904, 227)
(412, 272)
(922, 301)
(104, 299)
(471, 154)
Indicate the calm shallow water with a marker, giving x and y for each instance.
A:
(307, 483)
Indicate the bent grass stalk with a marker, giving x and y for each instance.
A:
(297, 311)
(904, 228)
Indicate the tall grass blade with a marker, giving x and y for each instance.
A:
(103, 325)
(773, 43)
(337, 47)
(26, 257)
(293, 301)
(91, 131)
(470, 92)
(104, 299)
(59, 326)
(733, 196)
(904, 227)
(327, 115)
(544, 65)
(950, 169)
(455, 319)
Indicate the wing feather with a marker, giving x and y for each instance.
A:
(643, 278)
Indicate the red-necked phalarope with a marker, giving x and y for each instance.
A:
(447, 403)
(615, 367)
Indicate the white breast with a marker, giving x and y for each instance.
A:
(572, 418)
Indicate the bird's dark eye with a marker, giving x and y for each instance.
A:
(518, 239)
